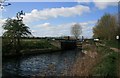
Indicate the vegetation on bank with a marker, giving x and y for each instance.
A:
(108, 63)
(15, 29)
(106, 28)
(112, 43)
(36, 44)
(27, 44)
(88, 45)
(108, 58)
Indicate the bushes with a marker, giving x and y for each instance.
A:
(6, 46)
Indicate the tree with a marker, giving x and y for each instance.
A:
(14, 30)
(76, 30)
(106, 27)
(118, 26)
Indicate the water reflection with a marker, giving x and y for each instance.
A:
(44, 64)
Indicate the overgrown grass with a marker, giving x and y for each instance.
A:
(89, 45)
(108, 64)
(112, 43)
(102, 50)
(27, 44)
(35, 44)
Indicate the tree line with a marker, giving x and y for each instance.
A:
(107, 27)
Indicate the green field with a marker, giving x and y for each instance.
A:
(27, 44)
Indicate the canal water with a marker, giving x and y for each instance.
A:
(49, 64)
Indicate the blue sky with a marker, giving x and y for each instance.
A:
(56, 18)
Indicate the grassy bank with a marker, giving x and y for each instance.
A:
(108, 63)
(28, 45)
(112, 43)
(36, 44)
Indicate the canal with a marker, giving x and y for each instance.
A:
(49, 64)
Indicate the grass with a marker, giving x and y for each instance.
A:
(108, 64)
(89, 45)
(113, 43)
(109, 60)
(27, 44)
(35, 44)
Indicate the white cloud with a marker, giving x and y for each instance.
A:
(55, 12)
(105, 0)
(1, 23)
(45, 25)
(47, 29)
(57, 0)
(102, 4)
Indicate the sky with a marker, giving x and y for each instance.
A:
(55, 19)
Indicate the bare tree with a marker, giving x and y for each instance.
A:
(76, 30)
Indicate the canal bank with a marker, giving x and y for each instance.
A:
(56, 46)
(31, 52)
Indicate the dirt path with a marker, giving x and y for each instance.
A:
(112, 48)
(115, 49)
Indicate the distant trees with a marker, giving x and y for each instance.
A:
(76, 30)
(106, 28)
(14, 30)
